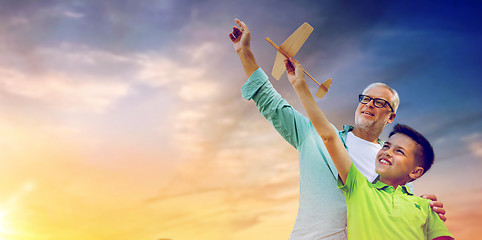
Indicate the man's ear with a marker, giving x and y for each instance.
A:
(392, 117)
(416, 173)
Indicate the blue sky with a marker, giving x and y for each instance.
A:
(128, 114)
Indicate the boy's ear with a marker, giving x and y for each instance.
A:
(416, 173)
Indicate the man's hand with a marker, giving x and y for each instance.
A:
(240, 36)
(294, 71)
(437, 206)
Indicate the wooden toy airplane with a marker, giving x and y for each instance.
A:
(288, 49)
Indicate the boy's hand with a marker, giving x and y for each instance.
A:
(294, 71)
(240, 36)
(437, 206)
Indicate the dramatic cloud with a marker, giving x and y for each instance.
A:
(158, 71)
(128, 114)
(62, 90)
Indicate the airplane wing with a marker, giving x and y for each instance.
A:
(291, 47)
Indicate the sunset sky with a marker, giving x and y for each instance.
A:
(124, 119)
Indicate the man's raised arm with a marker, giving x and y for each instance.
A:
(289, 123)
(241, 38)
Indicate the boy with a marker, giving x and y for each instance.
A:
(385, 209)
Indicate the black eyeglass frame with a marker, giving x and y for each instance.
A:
(376, 101)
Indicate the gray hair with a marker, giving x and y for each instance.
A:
(394, 102)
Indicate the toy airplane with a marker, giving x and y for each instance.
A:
(288, 49)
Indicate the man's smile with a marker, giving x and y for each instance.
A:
(368, 113)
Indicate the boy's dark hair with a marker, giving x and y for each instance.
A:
(425, 155)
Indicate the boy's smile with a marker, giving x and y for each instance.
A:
(385, 161)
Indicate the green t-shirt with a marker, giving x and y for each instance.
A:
(378, 211)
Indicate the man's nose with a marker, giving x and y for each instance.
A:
(371, 103)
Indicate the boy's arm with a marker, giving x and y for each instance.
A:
(333, 144)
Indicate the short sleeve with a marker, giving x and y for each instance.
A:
(435, 227)
(352, 179)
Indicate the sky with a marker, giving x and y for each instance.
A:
(124, 119)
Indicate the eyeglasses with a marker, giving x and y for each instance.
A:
(377, 102)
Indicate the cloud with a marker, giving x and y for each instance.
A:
(189, 73)
(70, 77)
(239, 172)
(202, 53)
(157, 70)
(74, 15)
(74, 58)
(26, 188)
(79, 77)
(474, 143)
(188, 132)
(198, 90)
(189, 61)
(77, 93)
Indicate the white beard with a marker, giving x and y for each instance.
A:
(370, 126)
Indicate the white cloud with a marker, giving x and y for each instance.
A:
(203, 53)
(77, 77)
(187, 132)
(69, 77)
(74, 15)
(69, 92)
(198, 90)
(26, 188)
(17, 21)
(188, 75)
(81, 56)
(157, 71)
(474, 143)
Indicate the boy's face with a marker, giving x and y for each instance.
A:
(396, 160)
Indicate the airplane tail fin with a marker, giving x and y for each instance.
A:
(323, 89)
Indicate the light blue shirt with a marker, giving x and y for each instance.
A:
(322, 208)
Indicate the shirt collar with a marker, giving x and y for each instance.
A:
(387, 188)
(349, 128)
